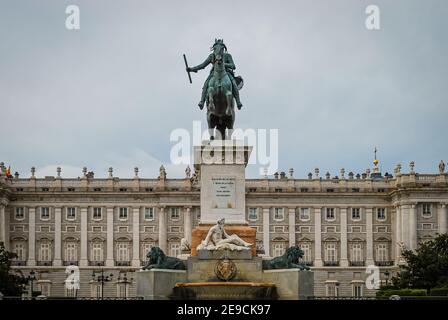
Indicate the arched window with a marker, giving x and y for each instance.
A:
(331, 252)
(97, 252)
(122, 248)
(19, 246)
(306, 246)
(146, 246)
(45, 252)
(279, 246)
(174, 247)
(70, 251)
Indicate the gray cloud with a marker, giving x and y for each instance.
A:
(111, 93)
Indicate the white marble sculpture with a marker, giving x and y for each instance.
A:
(218, 239)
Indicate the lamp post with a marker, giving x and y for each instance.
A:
(387, 274)
(124, 280)
(31, 277)
(101, 278)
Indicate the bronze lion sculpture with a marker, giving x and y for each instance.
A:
(158, 260)
(289, 260)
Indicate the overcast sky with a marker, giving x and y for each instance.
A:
(110, 93)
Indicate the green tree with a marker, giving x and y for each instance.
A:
(10, 284)
(425, 268)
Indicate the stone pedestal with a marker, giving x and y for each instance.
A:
(222, 167)
(291, 284)
(203, 270)
(246, 233)
(158, 284)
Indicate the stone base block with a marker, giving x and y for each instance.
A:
(246, 233)
(204, 270)
(292, 284)
(158, 284)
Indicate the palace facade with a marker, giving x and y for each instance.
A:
(344, 224)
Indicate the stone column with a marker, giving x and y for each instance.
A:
(369, 237)
(413, 227)
(4, 227)
(292, 226)
(344, 256)
(398, 234)
(57, 237)
(83, 261)
(266, 231)
(31, 237)
(162, 230)
(187, 224)
(442, 216)
(405, 226)
(318, 237)
(110, 237)
(136, 237)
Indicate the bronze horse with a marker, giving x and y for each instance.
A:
(220, 102)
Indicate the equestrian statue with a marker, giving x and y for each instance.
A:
(220, 90)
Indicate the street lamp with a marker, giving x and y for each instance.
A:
(387, 274)
(31, 277)
(124, 280)
(101, 278)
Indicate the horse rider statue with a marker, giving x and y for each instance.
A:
(237, 82)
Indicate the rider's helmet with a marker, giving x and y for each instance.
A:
(218, 41)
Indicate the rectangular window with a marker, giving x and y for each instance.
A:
(45, 213)
(332, 290)
(123, 213)
(381, 213)
(122, 252)
(45, 252)
(97, 213)
(175, 213)
(356, 253)
(330, 214)
(146, 248)
(174, 249)
(305, 214)
(306, 248)
(122, 290)
(97, 252)
(44, 288)
(279, 213)
(20, 213)
(71, 253)
(149, 213)
(19, 250)
(96, 291)
(382, 252)
(357, 290)
(279, 249)
(426, 209)
(253, 213)
(356, 213)
(330, 252)
(71, 213)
